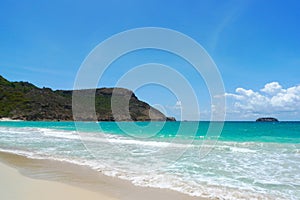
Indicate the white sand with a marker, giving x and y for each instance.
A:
(6, 119)
(14, 186)
(71, 182)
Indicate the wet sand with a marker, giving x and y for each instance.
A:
(31, 179)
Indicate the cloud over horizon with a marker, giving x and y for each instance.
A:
(273, 99)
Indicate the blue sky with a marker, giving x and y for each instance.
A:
(253, 43)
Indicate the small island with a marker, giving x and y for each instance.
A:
(267, 119)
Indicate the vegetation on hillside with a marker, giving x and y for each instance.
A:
(23, 100)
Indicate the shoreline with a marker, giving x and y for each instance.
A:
(72, 179)
(7, 119)
(14, 185)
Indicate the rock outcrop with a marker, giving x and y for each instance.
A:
(267, 119)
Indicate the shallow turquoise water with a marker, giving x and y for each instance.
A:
(282, 132)
(249, 161)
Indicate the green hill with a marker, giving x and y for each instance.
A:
(25, 101)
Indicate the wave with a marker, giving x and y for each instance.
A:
(217, 181)
(163, 181)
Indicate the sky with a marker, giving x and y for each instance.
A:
(255, 45)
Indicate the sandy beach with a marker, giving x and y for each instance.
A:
(15, 186)
(29, 179)
(7, 119)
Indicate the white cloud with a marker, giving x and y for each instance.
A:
(175, 110)
(272, 88)
(272, 99)
(178, 105)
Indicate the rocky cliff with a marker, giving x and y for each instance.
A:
(24, 101)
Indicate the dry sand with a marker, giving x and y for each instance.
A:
(14, 186)
(30, 179)
(6, 119)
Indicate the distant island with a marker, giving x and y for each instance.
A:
(25, 101)
(267, 119)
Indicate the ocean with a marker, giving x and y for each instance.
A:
(250, 160)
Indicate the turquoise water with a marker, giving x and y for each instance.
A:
(282, 132)
(249, 161)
